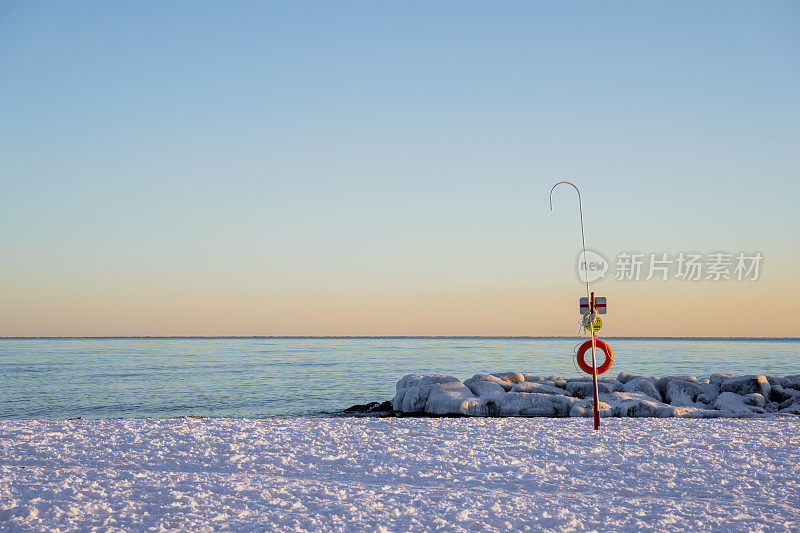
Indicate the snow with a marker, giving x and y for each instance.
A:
(518, 394)
(395, 474)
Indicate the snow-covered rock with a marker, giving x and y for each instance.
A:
(709, 392)
(541, 387)
(754, 399)
(585, 408)
(792, 382)
(661, 384)
(584, 387)
(513, 394)
(453, 397)
(484, 388)
(681, 392)
(413, 390)
(732, 403)
(507, 385)
(791, 409)
(556, 381)
(642, 384)
(513, 377)
(717, 379)
(780, 394)
(775, 380)
(533, 404)
(626, 404)
(746, 384)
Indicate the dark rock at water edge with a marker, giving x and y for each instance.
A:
(371, 408)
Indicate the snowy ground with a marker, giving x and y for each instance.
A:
(401, 474)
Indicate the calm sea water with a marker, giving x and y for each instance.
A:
(263, 377)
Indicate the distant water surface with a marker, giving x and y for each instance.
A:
(264, 377)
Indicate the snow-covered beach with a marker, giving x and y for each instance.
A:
(397, 474)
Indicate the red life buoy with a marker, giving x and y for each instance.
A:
(606, 351)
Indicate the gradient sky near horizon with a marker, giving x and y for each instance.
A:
(376, 168)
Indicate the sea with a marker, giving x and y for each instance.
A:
(259, 377)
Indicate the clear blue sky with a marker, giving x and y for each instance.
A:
(374, 167)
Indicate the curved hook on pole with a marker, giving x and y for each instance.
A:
(580, 210)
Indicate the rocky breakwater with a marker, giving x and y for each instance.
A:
(629, 395)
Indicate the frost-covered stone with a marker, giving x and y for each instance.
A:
(792, 382)
(556, 381)
(586, 408)
(413, 391)
(624, 377)
(540, 387)
(780, 394)
(791, 409)
(681, 392)
(639, 396)
(732, 403)
(513, 377)
(484, 388)
(507, 385)
(452, 398)
(661, 384)
(641, 384)
(626, 404)
(695, 412)
(535, 404)
(754, 400)
(709, 392)
(717, 379)
(775, 380)
(746, 384)
(584, 388)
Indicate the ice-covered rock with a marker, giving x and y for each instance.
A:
(624, 377)
(708, 392)
(754, 399)
(775, 380)
(507, 385)
(746, 384)
(583, 387)
(586, 408)
(413, 390)
(636, 404)
(780, 394)
(518, 394)
(538, 386)
(681, 392)
(732, 403)
(661, 384)
(717, 379)
(513, 377)
(533, 404)
(791, 382)
(642, 384)
(556, 381)
(484, 388)
(453, 398)
(791, 409)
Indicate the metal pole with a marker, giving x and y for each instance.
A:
(596, 395)
(592, 312)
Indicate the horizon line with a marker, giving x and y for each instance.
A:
(288, 337)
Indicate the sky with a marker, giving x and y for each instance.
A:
(377, 168)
